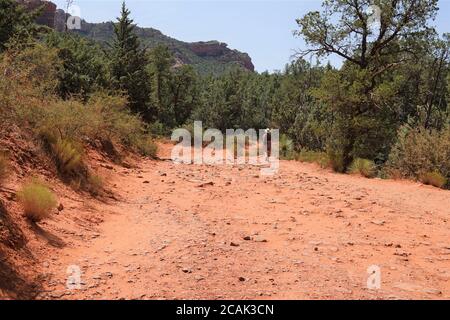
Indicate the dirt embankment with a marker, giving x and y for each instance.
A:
(225, 232)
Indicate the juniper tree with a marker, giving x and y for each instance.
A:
(360, 93)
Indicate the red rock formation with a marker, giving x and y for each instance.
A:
(221, 51)
(209, 49)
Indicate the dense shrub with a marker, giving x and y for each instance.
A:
(37, 200)
(318, 157)
(102, 117)
(336, 151)
(146, 147)
(27, 85)
(419, 151)
(28, 99)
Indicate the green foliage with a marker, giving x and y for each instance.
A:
(109, 119)
(420, 151)
(238, 99)
(15, 23)
(364, 167)
(103, 118)
(174, 90)
(27, 85)
(33, 69)
(128, 66)
(84, 67)
(296, 111)
(37, 200)
(359, 129)
(146, 147)
(287, 151)
(344, 28)
(363, 95)
(318, 157)
(433, 178)
(159, 70)
(28, 98)
(184, 96)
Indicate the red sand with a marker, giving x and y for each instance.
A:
(305, 233)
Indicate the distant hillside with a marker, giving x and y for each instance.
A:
(206, 57)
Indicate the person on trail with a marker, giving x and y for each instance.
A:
(267, 143)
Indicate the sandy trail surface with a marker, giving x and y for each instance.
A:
(225, 232)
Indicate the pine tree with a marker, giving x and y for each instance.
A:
(128, 65)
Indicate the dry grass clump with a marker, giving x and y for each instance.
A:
(68, 156)
(364, 167)
(37, 200)
(95, 184)
(434, 179)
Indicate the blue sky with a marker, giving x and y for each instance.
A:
(262, 28)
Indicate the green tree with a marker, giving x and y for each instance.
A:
(128, 66)
(296, 111)
(160, 76)
(174, 88)
(237, 99)
(349, 29)
(222, 100)
(359, 93)
(436, 70)
(85, 66)
(184, 91)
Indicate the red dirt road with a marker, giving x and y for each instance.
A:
(304, 233)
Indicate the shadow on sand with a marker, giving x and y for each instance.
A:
(48, 236)
(14, 284)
